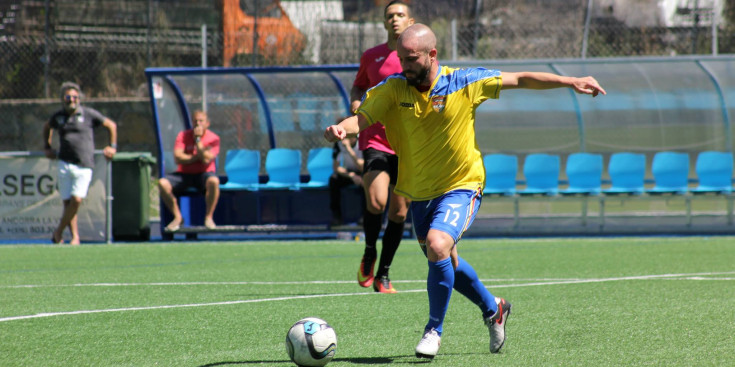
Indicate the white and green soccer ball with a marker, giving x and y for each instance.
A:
(311, 342)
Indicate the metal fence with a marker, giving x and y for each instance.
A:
(105, 45)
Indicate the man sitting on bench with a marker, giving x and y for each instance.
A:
(195, 152)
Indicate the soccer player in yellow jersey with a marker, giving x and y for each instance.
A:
(428, 112)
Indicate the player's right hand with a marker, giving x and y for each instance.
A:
(335, 133)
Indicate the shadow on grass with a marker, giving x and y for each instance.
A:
(406, 359)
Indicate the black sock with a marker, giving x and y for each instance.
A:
(391, 239)
(371, 224)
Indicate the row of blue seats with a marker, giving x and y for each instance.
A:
(584, 171)
(626, 170)
(282, 165)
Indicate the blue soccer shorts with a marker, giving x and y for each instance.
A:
(452, 213)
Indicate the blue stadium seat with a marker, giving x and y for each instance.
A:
(714, 170)
(670, 173)
(500, 174)
(627, 173)
(542, 174)
(283, 167)
(242, 167)
(584, 171)
(319, 165)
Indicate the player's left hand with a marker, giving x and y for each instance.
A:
(588, 85)
(109, 152)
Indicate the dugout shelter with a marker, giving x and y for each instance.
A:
(654, 105)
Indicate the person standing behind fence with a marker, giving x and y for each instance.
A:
(429, 116)
(381, 163)
(347, 164)
(75, 125)
(195, 153)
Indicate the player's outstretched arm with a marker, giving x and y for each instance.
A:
(539, 80)
(350, 126)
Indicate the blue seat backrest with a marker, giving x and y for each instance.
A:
(584, 171)
(714, 170)
(500, 171)
(627, 172)
(670, 171)
(283, 166)
(542, 173)
(319, 165)
(242, 166)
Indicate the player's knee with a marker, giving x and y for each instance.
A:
(375, 207)
(398, 217)
(438, 245)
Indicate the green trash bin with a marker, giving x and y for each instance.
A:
(131, 186)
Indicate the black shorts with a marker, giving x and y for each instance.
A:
(182, 182)
(376, 160)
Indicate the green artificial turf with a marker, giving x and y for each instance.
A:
(627, 301)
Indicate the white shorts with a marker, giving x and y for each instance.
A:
(73, 180)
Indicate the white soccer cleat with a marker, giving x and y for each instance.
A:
(429, 344)
(496, 325)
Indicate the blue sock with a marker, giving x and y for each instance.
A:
(439, 285)
(469, 285)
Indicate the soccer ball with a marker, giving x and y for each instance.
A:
(311, 342)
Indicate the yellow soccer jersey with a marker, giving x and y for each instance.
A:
(433, 132)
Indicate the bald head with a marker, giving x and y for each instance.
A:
(418, 37)
(416, 49)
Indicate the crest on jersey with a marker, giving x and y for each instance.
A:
(437, 103)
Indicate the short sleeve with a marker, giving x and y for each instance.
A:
(96, 117)
(377, 102)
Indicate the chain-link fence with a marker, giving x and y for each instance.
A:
(105, 44)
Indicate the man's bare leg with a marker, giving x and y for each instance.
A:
(167, 195)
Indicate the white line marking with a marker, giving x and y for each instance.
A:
(691, 276)
(161, 284)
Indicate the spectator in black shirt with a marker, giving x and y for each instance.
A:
(75, 125)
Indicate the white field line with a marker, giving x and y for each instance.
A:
(532, 283)
(309, 282)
